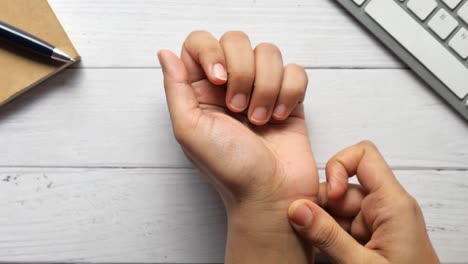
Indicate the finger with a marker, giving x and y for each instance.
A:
(202, 49)
(194, 69)
(359, 229)
(293, 89)
(319, 228)
(343, 219)
(364, 161)
(209, 94)
(349, 204)
(240, 63)
(322, 197)
(268, 77)
(183, 105)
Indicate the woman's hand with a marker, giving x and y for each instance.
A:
(376, 222)
(238, 114)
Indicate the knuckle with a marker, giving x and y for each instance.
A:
(300, 72)
(295, 67)
(234, 36)
(368, 144)
(268, 48)
(197, 33)
(195, 40)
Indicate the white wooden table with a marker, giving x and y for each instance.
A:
(90, 172)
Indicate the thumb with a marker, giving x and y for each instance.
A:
(318, 228)
(180, 95)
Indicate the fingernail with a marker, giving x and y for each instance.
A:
(219, 72)
(280, 111)
(260, 114)
(239, 102)
(301, 215)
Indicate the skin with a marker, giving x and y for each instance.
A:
(374, 222)
(237, 113)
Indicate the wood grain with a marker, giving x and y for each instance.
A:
(166, 215)
(89, 169)
(318, 33)
(104, 117)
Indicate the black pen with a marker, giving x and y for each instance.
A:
(22, 39)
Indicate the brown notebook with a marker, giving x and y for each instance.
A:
(20, 70)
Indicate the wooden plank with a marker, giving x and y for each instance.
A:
(315, 33)
(166, 215)
(104, 117)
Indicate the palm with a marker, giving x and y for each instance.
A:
(275, 158)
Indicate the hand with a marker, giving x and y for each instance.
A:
(384, 217)
(239, 117)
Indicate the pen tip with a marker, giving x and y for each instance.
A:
(61, 56)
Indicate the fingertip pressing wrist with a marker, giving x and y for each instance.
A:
(300, 213)
(264, 236)
(261, 217)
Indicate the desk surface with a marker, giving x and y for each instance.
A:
(90, 172)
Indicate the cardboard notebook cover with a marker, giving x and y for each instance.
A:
(20, 70)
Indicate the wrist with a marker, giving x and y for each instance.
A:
(261, 233)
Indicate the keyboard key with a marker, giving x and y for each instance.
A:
(443, 24)
(422, 8)
(452, 3)
(463, 12)
(459, 43)
(423, 46)
(359, 2)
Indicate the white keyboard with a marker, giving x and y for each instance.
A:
(431, 36)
